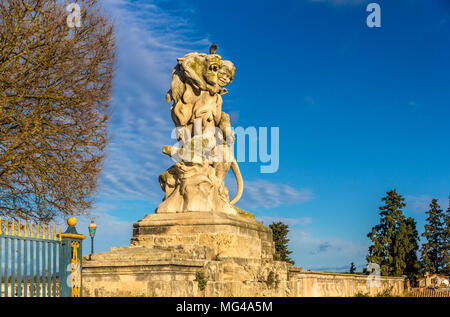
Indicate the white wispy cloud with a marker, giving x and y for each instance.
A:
(338, 253)
(341, 268)
(418, 203)
(111, 231)
(149, 42)
(421, 203)
(263, 194)
(310, 100)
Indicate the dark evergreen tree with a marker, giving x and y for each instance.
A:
(280, 232)
(446, 251)
(386, 249)
(352, 268)
(434, 249)
(405, 247)
(412, 269)
(400, 243)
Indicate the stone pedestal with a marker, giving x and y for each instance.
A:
(224, 234)
(171, 252)
(209, 254)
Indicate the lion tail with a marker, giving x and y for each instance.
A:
(239, 180)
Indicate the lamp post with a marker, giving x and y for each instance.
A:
(92, 229)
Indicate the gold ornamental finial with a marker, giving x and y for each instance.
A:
(6, 227)
(25, 230)
(19, 233)
(72, 221)
(13, 229)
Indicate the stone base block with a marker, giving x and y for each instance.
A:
(227, 235)
(150, 271)
(209, 254)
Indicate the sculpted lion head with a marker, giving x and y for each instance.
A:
(196, 73)
(207, 72)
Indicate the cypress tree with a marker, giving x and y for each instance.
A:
(446, 251)
(387, 240)
(400, 249)
(405, 247)
(352, 268)
(434, 249)
(412, 269)
(280, 232)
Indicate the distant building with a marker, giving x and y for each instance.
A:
(434, 281)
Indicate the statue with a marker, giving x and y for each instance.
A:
(196, 228)
(206, 141)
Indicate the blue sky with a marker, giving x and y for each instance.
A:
(360, 110)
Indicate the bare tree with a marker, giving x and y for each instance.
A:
(55, 85)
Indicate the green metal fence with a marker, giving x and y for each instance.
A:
(39, 263)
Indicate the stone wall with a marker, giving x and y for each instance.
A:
(226, 278)
(209, 254)
(323, 284)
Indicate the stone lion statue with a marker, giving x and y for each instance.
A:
(204, 154)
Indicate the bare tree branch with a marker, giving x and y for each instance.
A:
(55, 85)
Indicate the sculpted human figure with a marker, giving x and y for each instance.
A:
(204, 154)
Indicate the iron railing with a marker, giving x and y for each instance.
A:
(41, 264)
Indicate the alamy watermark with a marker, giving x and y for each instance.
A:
(373, 280)
(374, 18)
(74, 18)
(217, 146)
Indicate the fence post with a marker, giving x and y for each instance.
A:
(70, 261)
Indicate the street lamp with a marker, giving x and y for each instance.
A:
(92, 229)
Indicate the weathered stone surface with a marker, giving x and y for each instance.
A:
(204, 153)
(228, 235)
(231, 277)
(233, 253)
(318, 284)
